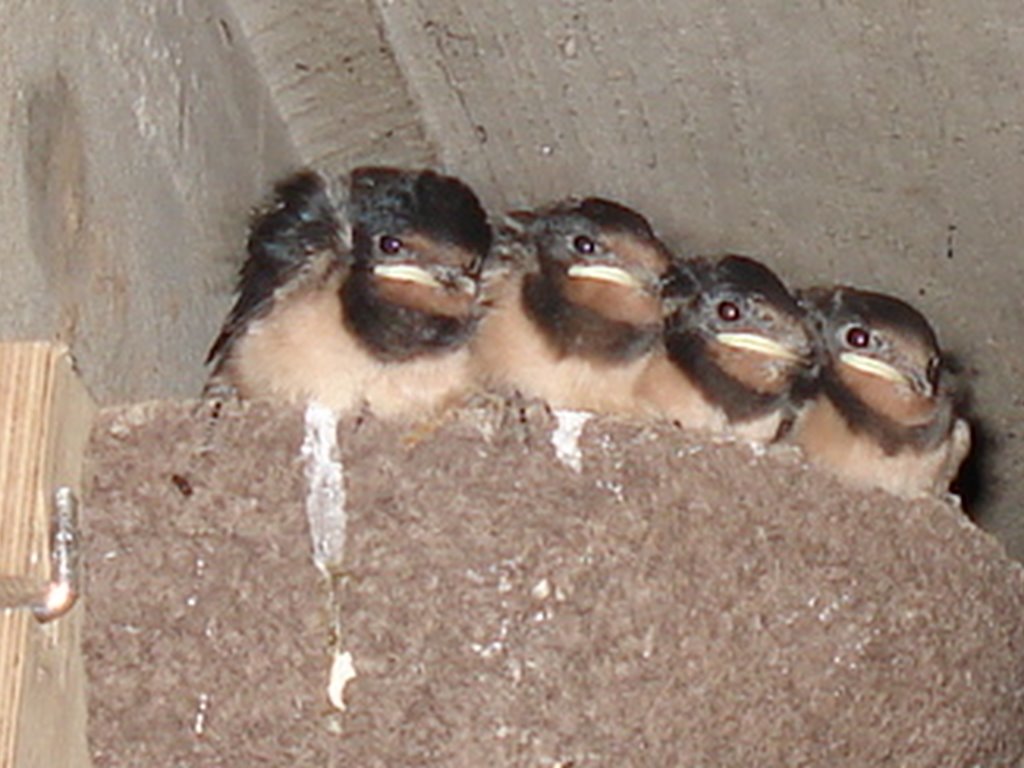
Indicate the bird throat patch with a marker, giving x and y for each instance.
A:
(396, 331)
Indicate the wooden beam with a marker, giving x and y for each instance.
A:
(45, 417)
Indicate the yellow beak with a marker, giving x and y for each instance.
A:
(754, 342)
(873, 367)
(604, 273)
(406, 273)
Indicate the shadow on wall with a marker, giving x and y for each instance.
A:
(55, 170)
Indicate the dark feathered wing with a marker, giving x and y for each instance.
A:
(305, 224)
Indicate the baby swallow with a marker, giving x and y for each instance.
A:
(575, 320)
(362, 294)
(884, 412)
(738, 356)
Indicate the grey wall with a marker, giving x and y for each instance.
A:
(335, 79)
(136, 138)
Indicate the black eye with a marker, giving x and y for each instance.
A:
(728, 311)
(389, 244)
(584, 245)
(934, 370)
(858, 337)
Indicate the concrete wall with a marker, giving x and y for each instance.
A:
(335, 79)
(136, 138)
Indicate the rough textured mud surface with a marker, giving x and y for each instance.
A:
(671, 603)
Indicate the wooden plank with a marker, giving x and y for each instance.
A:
(45, 416)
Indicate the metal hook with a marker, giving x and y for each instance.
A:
(57, 596)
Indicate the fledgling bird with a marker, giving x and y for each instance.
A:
(575, 319)
(738, 356)
(360, 293)
(884, 415)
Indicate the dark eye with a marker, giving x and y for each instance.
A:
(583, 244)
(389, 244)
(858, 337)
(728, 311)
(934, 370)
